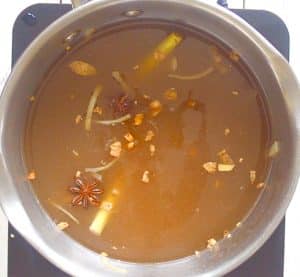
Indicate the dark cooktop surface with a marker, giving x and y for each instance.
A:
(23, 260)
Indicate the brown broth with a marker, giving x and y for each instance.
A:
(182, 206)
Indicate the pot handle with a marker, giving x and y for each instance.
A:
(77, 3)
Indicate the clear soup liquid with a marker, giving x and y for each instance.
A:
(167, 195)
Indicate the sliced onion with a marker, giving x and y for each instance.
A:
(120, 79)
(97, 176)
(67, 213)
(114, 121)
(174, 64)
(101, 168)
(196, 76)
(90, 109)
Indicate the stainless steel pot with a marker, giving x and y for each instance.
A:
(281, 91)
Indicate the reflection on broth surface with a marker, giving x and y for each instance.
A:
(148, 142)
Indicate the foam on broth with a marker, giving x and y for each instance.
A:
(165, 203)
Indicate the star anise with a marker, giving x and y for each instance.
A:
(87, 192)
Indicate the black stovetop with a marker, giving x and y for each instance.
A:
(23, 260)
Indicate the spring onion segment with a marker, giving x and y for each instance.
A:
(91, 106)
(159, 53)
(101, 219)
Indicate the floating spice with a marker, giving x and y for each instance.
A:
(32, 98)
(78, 119)
(193, 104)
(115, 149)
(146, 96)
(226, 131)
(155, 104)
(210, 167)
(252, 174)
(83, 68)
(225, 167)
(149, 135)
(225, 157)
(104, 254)
(68, 47)
(31, 176)
(115, 192)
(196, 76)
(62, 225)
(239, 224)
(78, 173)
(211, 243)
(130, 145)
(216, 55)
(234, 92)
(138, 119)
(260, 185)
(234, 56)
(92, 103)
(129, 137)
(86, 191)
(227, 235)
(152, 149)
(274, 149)
(155, 107)
(146, 177)
(171, 94)
(75, 153)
